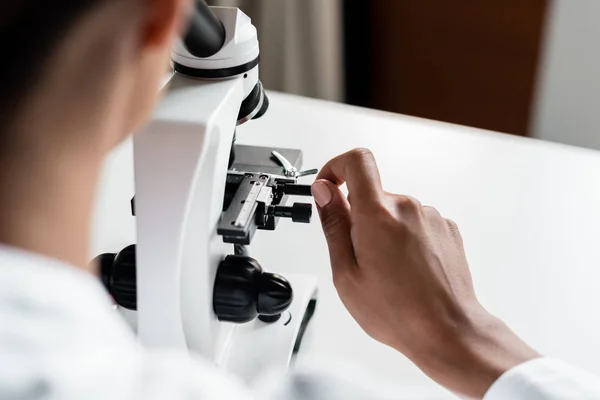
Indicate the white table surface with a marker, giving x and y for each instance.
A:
(529, 212)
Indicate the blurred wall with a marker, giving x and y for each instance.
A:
(301, 44)
(568, 101)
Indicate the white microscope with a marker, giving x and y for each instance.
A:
(199, 199)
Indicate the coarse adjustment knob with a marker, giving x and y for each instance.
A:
(118, 274)
(243, 291)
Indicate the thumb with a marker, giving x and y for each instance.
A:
(334, 211)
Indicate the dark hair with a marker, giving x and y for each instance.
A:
(30, 30)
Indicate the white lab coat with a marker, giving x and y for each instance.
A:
(60, 339)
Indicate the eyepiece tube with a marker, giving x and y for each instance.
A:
(206, 34)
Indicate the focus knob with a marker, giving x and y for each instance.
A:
(302, 212)
(299, 212)
(118, 274)
(123, 283)
(275, 294)
(105, 263)
(243, 291)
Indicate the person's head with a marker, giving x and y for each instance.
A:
(81, 73)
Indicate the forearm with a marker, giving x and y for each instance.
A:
(474, 354)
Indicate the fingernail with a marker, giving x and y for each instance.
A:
(321, 193)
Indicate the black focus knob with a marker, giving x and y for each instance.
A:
(302, 212)
(118, 274)
(105, 264)
(274, 294)
(124, 278)
(243, 291)
(299, 212)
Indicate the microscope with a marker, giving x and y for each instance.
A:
(189, 283)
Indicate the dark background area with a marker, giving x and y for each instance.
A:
(469, 62)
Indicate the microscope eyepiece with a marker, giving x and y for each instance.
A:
(206, 34)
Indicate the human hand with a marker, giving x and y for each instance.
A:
(401, 271)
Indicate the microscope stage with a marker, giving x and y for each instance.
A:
(260, 159)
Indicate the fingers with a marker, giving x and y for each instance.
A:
(358, 169)
(334, 212)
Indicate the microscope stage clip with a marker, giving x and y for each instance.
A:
(289, 170)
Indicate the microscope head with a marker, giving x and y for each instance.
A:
(221, 45)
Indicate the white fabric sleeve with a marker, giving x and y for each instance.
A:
(544, 379)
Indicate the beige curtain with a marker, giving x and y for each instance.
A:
(301, 44)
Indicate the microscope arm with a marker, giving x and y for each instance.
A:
(181, 160)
